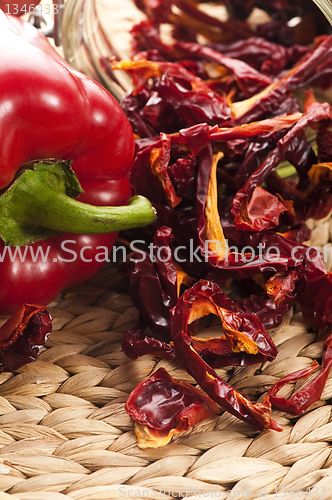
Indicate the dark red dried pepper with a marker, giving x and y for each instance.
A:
(23, 335)
(305, 397)
(162, 406)
(245, 335)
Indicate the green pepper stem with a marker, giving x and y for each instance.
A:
(36, 206)
(72, 216)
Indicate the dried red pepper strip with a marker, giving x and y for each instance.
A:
(155, 279)
(163, 406)
(254, 128)
(22, 336)
(269, 58)
(245, 333)
(160, 159)
(269, 100)
(249, 79)
(237, 265)
(305, 397)
(162, 12)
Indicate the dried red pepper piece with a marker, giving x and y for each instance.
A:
(245, 335)
(163, 406)
(136, 344)
(155, 279)
(269, 100)
(177, 97)
(314, 114)
(267, 57)
(160, 159)
(315, 295)
(266, 309)
(22, 336)
(305, 397)
(249, 80)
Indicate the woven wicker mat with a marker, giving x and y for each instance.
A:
(64, 433)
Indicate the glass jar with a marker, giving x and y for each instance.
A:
(94, 31)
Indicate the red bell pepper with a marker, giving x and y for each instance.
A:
(48, 111)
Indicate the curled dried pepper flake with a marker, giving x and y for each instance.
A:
(149, 68)
(187, 96)
(263, 210)
(218, 354)
(257, 415)
(140, 70)
(314, 114)
(141, 176)
(266, 309)
(196, 137)
(135, 344)
(23, 335)
(160, 159)
(182, 175)
(243, 332)
(305, 397)
(281, 285)
(320, 172)
(162, 406)
(312, 196)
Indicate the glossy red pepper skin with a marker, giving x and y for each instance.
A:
(60, 114)
(163, 406)
(48, 110)
(22, 336)
(302, 399)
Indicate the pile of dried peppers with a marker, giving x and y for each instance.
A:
(214, 122)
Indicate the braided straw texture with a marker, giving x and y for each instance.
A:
(64, 432)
